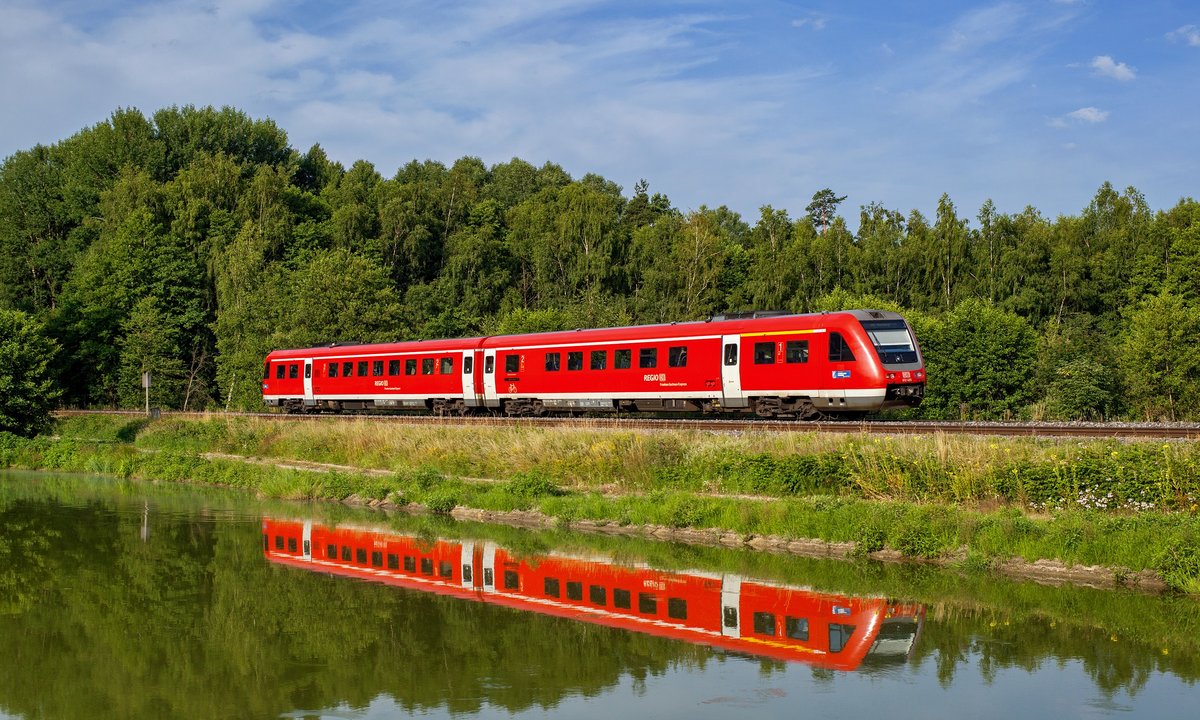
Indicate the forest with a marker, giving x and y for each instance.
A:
(190, 242)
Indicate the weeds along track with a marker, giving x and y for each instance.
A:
(1119, 431)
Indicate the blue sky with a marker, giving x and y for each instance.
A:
(1028, 102)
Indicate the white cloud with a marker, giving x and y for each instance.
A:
(1188, 33)
(815, 22)
(984, 27)
(1106, 66)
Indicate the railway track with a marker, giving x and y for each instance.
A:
(1118, 431)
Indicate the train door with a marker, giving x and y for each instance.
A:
(467, 563)
(731, 372)
(489, 378)
(307, 545)
(731, 601)
(489, 567)
(468, 378)
(308, 384)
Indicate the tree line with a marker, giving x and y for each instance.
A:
(190, 242)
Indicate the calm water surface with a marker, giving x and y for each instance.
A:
(137, 601)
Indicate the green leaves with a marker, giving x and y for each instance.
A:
(27, 391)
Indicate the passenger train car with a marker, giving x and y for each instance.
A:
(721, 610)
(805, 366)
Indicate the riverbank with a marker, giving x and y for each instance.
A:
(1100, 512)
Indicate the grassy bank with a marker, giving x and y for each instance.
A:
(1129, 506)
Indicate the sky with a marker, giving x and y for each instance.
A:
(743, 104)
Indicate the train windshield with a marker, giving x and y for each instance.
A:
(892, 341)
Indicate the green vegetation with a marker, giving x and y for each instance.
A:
(27, 392)
(190, 242)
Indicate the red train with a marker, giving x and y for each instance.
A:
(721, 610)
(850, 362)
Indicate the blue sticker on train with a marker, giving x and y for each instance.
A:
(841, 373)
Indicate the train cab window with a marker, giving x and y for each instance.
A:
(377, 558)
(445, 569)
(677, 608)
(427, 366)
(764, 353)
(377, 368)
(279, 371)
(511, 580)
(574, 591)
(553, 362)
(764, 623)
(267, 371)
(347, 369)
(360, 556)
(447, 366)
(796, 351)
(307, 370)
(331, 371)
(647, 604)
(575, 361)
(393, 561)
(489, 364)
(426, 566)
(599, 360)
(550, 587)
(731, 353)
(729, 617)
(292, 545)
(622, 359)
(796, 628)
(393, 368)
(839, 635)
(410, 366)
(346, 553)
(331, 552)
(648, 358)
(677, 356)
(468, 365)
(512, 363)
(839, 351)
(621, 598)
(293, 371)
(598, 595)
(362, 368)
(410, 563)
(278, 542)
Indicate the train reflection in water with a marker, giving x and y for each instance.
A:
(722, 610)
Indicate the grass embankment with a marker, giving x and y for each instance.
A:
(1127, 506)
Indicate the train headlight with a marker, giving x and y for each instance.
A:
(920, 374)
(891, 376)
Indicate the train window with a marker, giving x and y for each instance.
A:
(307, 370)
(550, 587)
(598, 595)
(266, 542)
(410, 366)
(677, 356)
(466, 573)
(360, 556)
(489, 579)
(621, 598)
(796, 628)
(445, 569)
(839, 635)
(729, 617)
(331, 552)
(293, 371)
(307, 548)
(292, 545)
(447, 366)
(599, 360)
(331, 371)
(622, 359)
(347, 369)
(891, 340)
(278, 542)
(764, 353)
(279, 371)
(511, 580)
(677, 608)
(839, 351)
(764, 623)
(489, 364)
(427, 366)
(468, 365)
(346, 553)
(574, 591)
(410, 563)
(426, 566)
(796, 351)
(377, 368)
(266, 371)
(575, 361)
(731, 353)
(553, 361)
(393, 368)
(362, 368)
(512, 363)
(648, 357)
(377, 558)
(393, 561)
(647, 604)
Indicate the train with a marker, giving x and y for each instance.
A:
(722, 610)
(808, 366)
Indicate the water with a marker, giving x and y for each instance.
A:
(130, 600)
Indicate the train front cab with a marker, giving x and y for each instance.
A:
(895, 344)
